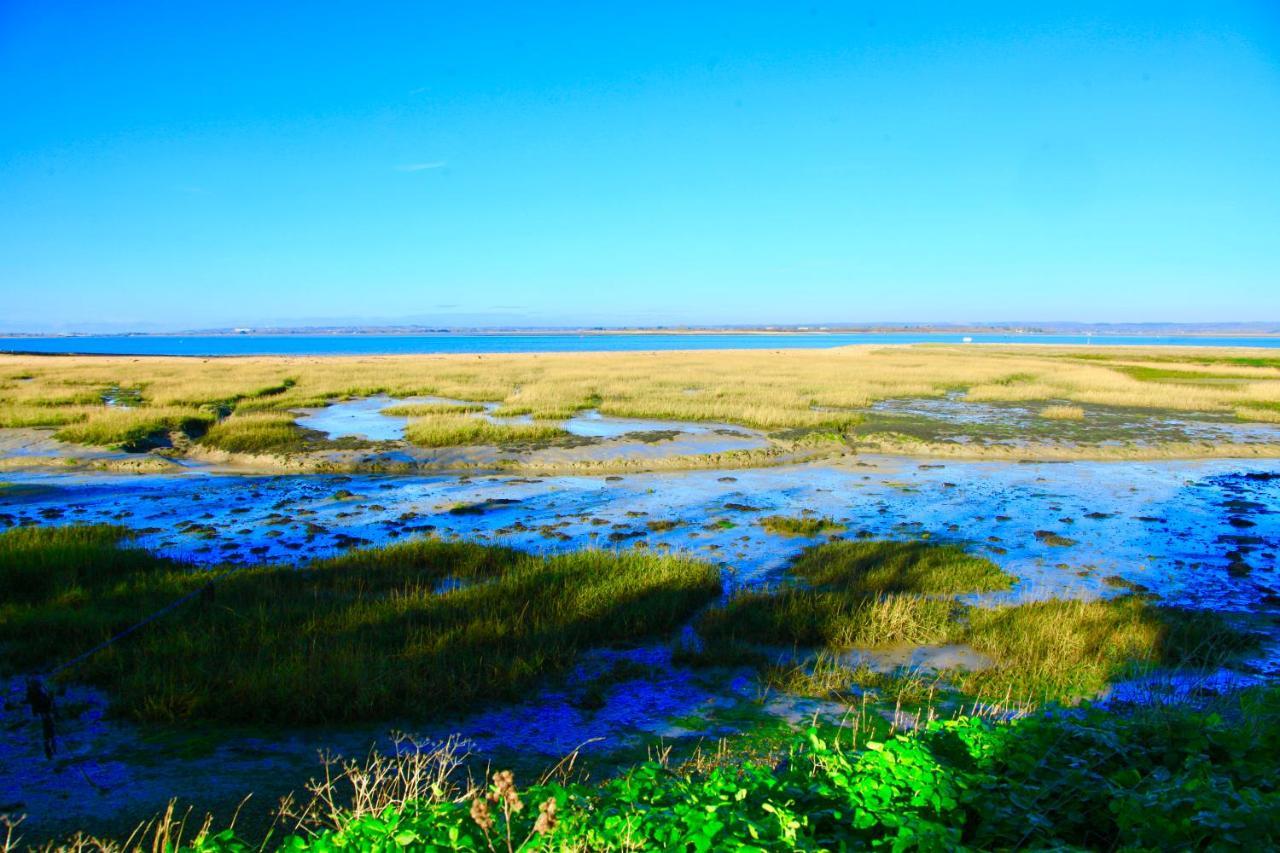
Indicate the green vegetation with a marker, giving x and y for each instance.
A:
(1060, 650)
(1153, 779)
(417, 410)
(453, 430)
(135, 429)
(802, 526)
(1184, 375)
(825, 618)
(827, 676)
(1062, 413)
(258, 432)
(877, 594)
(40, 416)
(357, 637)
(67, 588)
(872, 567)
(443, 627)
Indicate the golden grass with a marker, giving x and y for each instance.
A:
(1270, 416)
(130, 428)
(417, 410)
(773, 390)
(452, 430)
(256, 432)
(1062, 413)
(27, 415)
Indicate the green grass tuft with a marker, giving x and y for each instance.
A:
(457, 430)
(887, 566)
(803, 526)
(257, 432)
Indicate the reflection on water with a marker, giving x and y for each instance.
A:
(366, 418)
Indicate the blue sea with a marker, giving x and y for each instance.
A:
(376, 344)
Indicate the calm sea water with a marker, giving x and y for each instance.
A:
(373, 344)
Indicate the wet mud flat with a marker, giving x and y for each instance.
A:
(1202, 535)
(955, 420)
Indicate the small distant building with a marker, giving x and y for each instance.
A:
(242, 331)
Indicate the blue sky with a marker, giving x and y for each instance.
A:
(180, 165)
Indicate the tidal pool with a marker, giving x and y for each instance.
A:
(366, 418)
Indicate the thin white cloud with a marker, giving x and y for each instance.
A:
(421, 167)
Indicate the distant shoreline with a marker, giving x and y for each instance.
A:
(1136, 331)
(533, 343)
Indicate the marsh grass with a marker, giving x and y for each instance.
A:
(67, 588)
(1260, 414)
(418, 410)
(860, 593)
(1047, 651)
(26, 415)
(800, 526)
(824, 393)
(1059, 650)
(451, 430)
(257, 432)
(827, 619)
(876, 567)
(1062, 413)
(826, 676)
(865, 594)
(362, 636)
(135, 429)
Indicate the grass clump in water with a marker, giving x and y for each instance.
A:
(1062, 413)
(1059, 650)
(869, 594)
(800, 526)
(827, 619)
(827, 676)
(368, 635)
(257, 432)
(861, 593)
(453, 430)
(888, 566)
(418, 410)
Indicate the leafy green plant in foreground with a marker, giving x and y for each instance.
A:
(1166, 778)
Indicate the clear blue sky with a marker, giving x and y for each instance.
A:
(178, 165)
